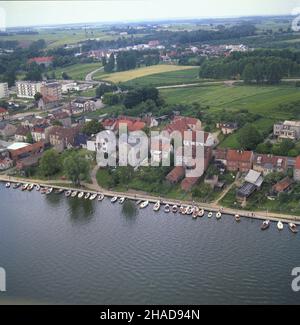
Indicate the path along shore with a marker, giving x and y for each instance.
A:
(214, 207)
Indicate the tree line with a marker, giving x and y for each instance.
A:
(128, 60)
(259, 66)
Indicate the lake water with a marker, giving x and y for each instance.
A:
(60, 250)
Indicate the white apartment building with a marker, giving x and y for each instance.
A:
(287, 130)
(4, 90)
(27, 89)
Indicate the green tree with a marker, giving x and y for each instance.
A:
(264, 148)
(249, 137)
(29, 138)
(111, 99)
(92, 127)
(57, 123)
(274, 73)
(49, 163)
(65, 76)
(110, 65)
(248, 73)
(76, 168)
(38, 96)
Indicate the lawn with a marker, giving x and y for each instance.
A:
(264, 125)
(167, 78)
(77, 71)
(140, 72)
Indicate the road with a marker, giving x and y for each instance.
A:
(89, 76)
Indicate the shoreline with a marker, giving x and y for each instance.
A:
(257, 215)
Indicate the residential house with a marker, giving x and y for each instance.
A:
(176, 175)
(181, 124)
(282, 186)
(253, 182)
(45, 60)
(132, 124)
(62, 117)
(24, 151)
(7, 129)
(83, 105)
(27, 89)
(48, 102)
(267, 164)
(297, 169)
(4, 115)
(4, 90)
(52, 89)
(160, 149)
(41, 133)
(220, 159)
(287, 130)
(5, 163)
(150, 121)
(22, 133)
(80, 140)
(238, 160)
(61, 137)
(109, 124)
(32, 121)
(227, 128)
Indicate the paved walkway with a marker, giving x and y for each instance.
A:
(214, 207)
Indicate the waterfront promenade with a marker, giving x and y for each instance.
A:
(214, 207)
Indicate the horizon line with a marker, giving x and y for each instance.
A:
(148, 20)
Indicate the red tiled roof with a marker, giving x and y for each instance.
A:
(263, 159)
(220, 154)
(63, 133)
(22, 130)
(30, 148)
(282, 185)
(41, 59)
(176, 174)
(108, 122)
(181, 124)
(188, 183)
(241, 156)
(49, 99)
(187, 120)
(3, 110)
(297, 163)
(131, 125)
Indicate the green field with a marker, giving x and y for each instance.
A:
(257, 99)
(262, 100)
(77, 71)
(126, 76)
(57, 38)
(167, 78)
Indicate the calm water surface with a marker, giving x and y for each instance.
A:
(59, 250)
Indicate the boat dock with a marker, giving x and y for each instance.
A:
(152, 199)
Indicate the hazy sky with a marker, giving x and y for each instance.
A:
(22, 13)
